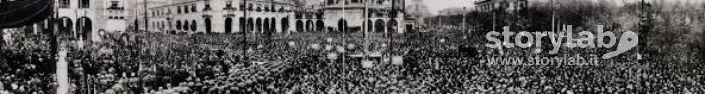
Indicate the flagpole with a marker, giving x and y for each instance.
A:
(553, 18)
(345, 34)
(78, 20)
(52, 28)
(146, 19)
(246, 29)
(366, 33)
(388, 33)
(465, 26)
(146, 26)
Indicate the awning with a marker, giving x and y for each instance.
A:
(24, 12)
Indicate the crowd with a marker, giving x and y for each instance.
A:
(26, 65)
(433, 62)
(438, 68)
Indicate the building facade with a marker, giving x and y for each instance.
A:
(228, 16)
(83, 19)
(116, 16)
(418, 10)
(349, 15)
(501, 5)
(137, 15)
(222, 16)
(453, 11)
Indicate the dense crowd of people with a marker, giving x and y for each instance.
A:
(330, 62)
(26, 65)
(438, 68)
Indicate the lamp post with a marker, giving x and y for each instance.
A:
(146, 19)
(245, 30)
(464, 23)
(366, 33)
(392, 16)
(146, 26)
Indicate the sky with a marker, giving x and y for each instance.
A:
(435, 5)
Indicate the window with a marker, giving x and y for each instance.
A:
(194, 25)
(229, 4)
(178, 25)
(84, 3)
(273, 8)
(114, 5)
(64, 3)
(242, 7)
(249, 7)
(193, 8)
(185, 26)
(331, 2)
(259, 9)
(185, 9)
(178, 9)
(207, 7)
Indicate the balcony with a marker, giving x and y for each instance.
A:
(230, 8)
(116, 8)
(360, 6)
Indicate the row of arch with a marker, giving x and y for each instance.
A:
(253, 25)
(185, 25)
(309, 25)
(82, 30)
(332, 2)
(81, 3)
(267, 25)
(181, 25)
(378, 25)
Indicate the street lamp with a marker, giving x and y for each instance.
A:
(245, 30)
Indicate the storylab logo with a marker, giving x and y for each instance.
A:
(585, 39)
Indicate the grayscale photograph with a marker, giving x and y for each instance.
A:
(352, 46)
